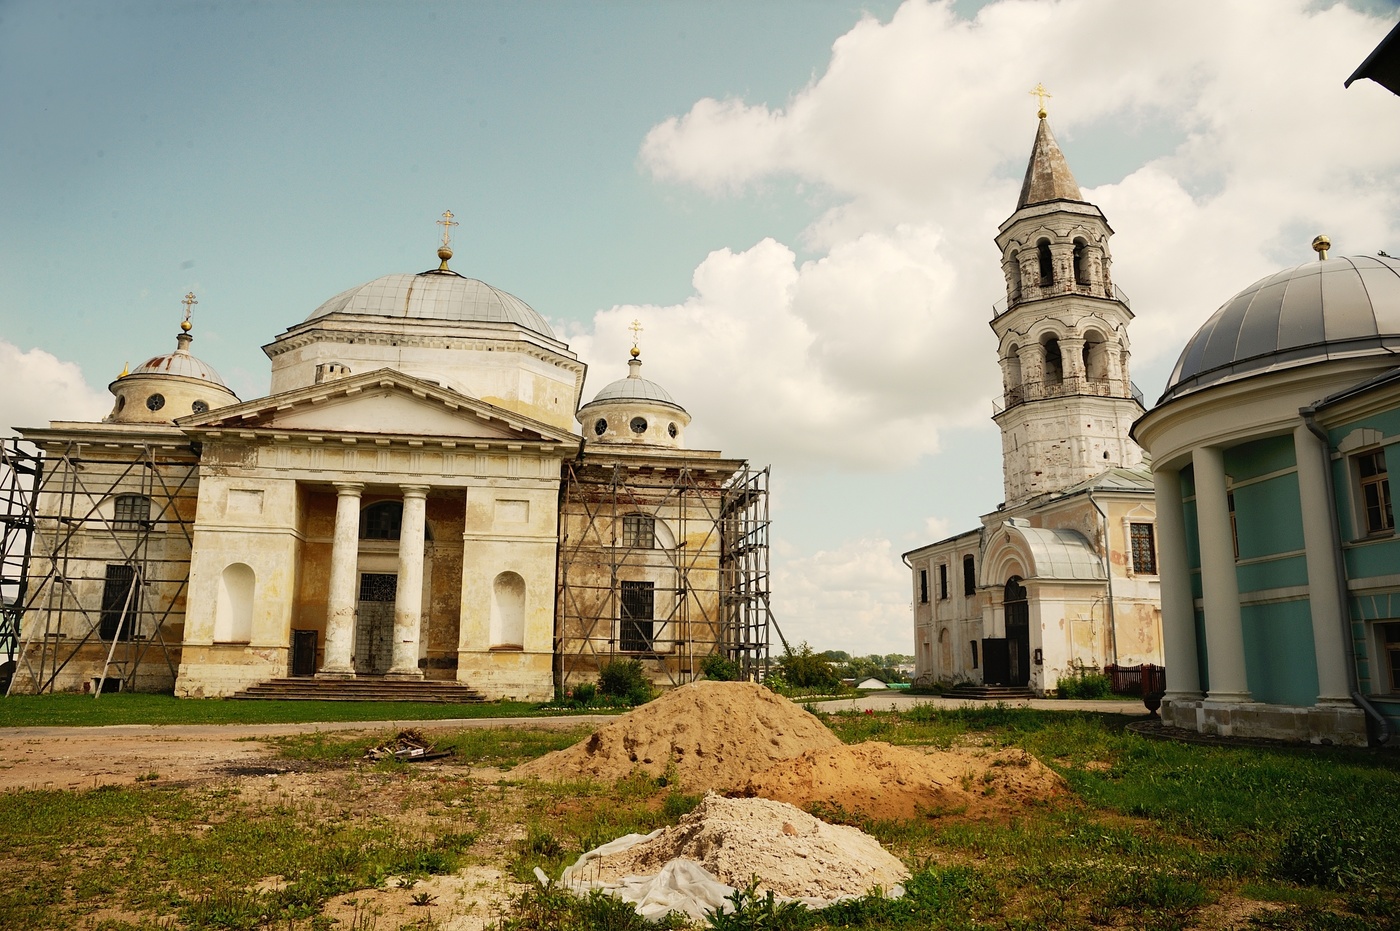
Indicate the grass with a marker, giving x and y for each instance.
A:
(72, 710)
(1153, 835)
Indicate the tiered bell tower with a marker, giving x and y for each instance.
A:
(1068, 402)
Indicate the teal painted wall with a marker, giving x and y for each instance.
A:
(1202, 654)
(1269, 518)
(1280, 661)
(1377, 558)
(1284, 572)
(1388, 422)
(1251, 460)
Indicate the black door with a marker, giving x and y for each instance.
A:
(1018, 634)
(995, 669)
(303, 652)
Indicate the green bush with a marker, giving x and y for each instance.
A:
(804, 669)
(1085, 684)
(1335, 852)
(584, 693)
(720, 668)
(627, 680)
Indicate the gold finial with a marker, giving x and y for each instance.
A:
(1040, 94)
(445, 250)
(126, 370)
(636, 329)
(1320, 245)
(189, 303)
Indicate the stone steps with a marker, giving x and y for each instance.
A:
(361, 688)
(990, 692)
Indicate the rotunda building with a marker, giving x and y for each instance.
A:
(1269, 449)
(164, 387)
(634, 410)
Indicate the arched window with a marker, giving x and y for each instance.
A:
(383, 520)
(1014, 275)
(1081, 262)
(233, 612)
(1047, 265)
(1054, 364)
(1095, 357)
(508, 612)
(131, 512)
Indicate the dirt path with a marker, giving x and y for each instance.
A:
(87, 757)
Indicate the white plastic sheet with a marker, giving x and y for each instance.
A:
(682, 885)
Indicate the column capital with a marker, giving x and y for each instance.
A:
(415, 491)
(349, 488)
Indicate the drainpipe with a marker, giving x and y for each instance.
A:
(1108, 581)
(1382, 725)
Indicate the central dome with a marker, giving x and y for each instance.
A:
(1333, 309)
(435, 295)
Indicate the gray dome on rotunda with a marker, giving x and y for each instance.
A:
(436, 295)
(635, 388)
(181, 363)
(1316, 312)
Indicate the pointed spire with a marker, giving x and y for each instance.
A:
(1047, 175)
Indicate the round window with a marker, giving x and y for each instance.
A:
(121, 402)
(639, 425)
(200, 407)
(155, 402)
(671, 429)
(600, 427)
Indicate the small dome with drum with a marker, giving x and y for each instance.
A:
(165, 387)
(634, 410)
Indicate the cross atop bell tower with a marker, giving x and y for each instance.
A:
(1062, 332)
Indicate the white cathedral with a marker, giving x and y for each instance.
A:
(1062, 575)
(411, 503)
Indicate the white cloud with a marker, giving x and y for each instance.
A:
(853, 598)
(918, 131)
(36, 387)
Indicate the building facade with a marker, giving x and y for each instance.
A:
(406, 504)
(1062, 576)
(1270, 451)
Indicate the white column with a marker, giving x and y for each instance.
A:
(1325, 586)
(340, 598)
(408, 600)
(1178, 605)
(1219, 585)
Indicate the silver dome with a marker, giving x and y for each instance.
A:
(435, 295)
(634, 388)
(1333, 309)
(180, 363)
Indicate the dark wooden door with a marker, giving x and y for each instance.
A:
(1018, 634)
(303, 652)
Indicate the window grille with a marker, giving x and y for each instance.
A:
(969, 576)
(121, 595)
(639, 531)
(132, 512)
(637, 617)
(923, 586)
(381, 521)
(943, 581)
(1144, 549)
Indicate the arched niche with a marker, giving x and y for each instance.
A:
(508, 612)
(233, 612)
(945, 651)
(1054, 371)
(1095, 356)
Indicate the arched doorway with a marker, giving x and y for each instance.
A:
(1018, 632)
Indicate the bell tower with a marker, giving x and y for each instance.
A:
(1062, 337)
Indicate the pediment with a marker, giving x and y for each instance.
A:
(381, 403)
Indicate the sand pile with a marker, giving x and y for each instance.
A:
(717, 734)
(789, 851)
(880, 781)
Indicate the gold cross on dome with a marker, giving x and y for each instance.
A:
(636, 329)
(189, 303)
(447, 223)
(1040, 94)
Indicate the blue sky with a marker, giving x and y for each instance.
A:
(797, 199)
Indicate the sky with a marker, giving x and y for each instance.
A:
(796, 198)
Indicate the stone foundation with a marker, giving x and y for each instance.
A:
(514, 675)
(219, 670)
(1342, 724)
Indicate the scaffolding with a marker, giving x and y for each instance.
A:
(707, 558)
(21, 467)
(100, 597)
